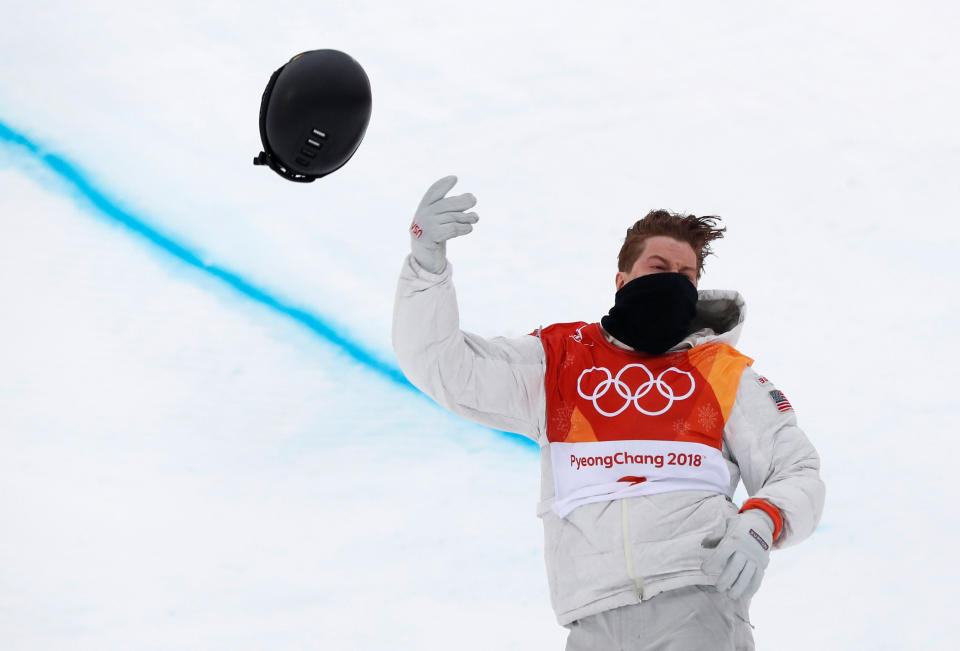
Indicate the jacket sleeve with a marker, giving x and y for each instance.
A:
(778, 464)
(496, 382)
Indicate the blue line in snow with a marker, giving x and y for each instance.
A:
(102, 203)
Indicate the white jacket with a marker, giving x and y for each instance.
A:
(612, 553)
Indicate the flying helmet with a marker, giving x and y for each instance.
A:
(313, 115)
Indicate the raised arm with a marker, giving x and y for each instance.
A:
(496, 382)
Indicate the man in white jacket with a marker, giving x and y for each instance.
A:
(646, 422)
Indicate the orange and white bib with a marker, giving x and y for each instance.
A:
(622, 423)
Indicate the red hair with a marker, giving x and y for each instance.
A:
(698, 232)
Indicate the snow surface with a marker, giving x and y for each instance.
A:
(184, 467)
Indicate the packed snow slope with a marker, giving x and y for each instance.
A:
(215, 450)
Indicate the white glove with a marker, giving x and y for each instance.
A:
(742, 554)
(437, 220)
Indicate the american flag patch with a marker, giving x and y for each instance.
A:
(781, 401)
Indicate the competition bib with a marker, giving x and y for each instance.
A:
(623, 424)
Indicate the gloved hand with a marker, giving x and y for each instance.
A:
(742, 554)
(439, 218)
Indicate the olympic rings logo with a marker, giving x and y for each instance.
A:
(624, 390)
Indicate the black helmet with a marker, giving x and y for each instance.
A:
(313, 115)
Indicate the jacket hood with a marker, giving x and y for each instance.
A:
(720, 316)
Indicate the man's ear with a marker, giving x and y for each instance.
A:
(620, 280)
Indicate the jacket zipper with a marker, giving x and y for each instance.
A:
(638, 583)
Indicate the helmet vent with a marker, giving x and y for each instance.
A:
(311, 147)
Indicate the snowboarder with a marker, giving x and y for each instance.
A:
(646, 421)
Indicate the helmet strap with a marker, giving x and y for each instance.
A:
(267, 157)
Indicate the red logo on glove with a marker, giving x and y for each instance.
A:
(416, 230)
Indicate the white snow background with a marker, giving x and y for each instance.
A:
(182, 467)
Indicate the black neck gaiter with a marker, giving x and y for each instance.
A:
(653, 313)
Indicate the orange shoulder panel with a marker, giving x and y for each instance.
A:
(722, 365)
